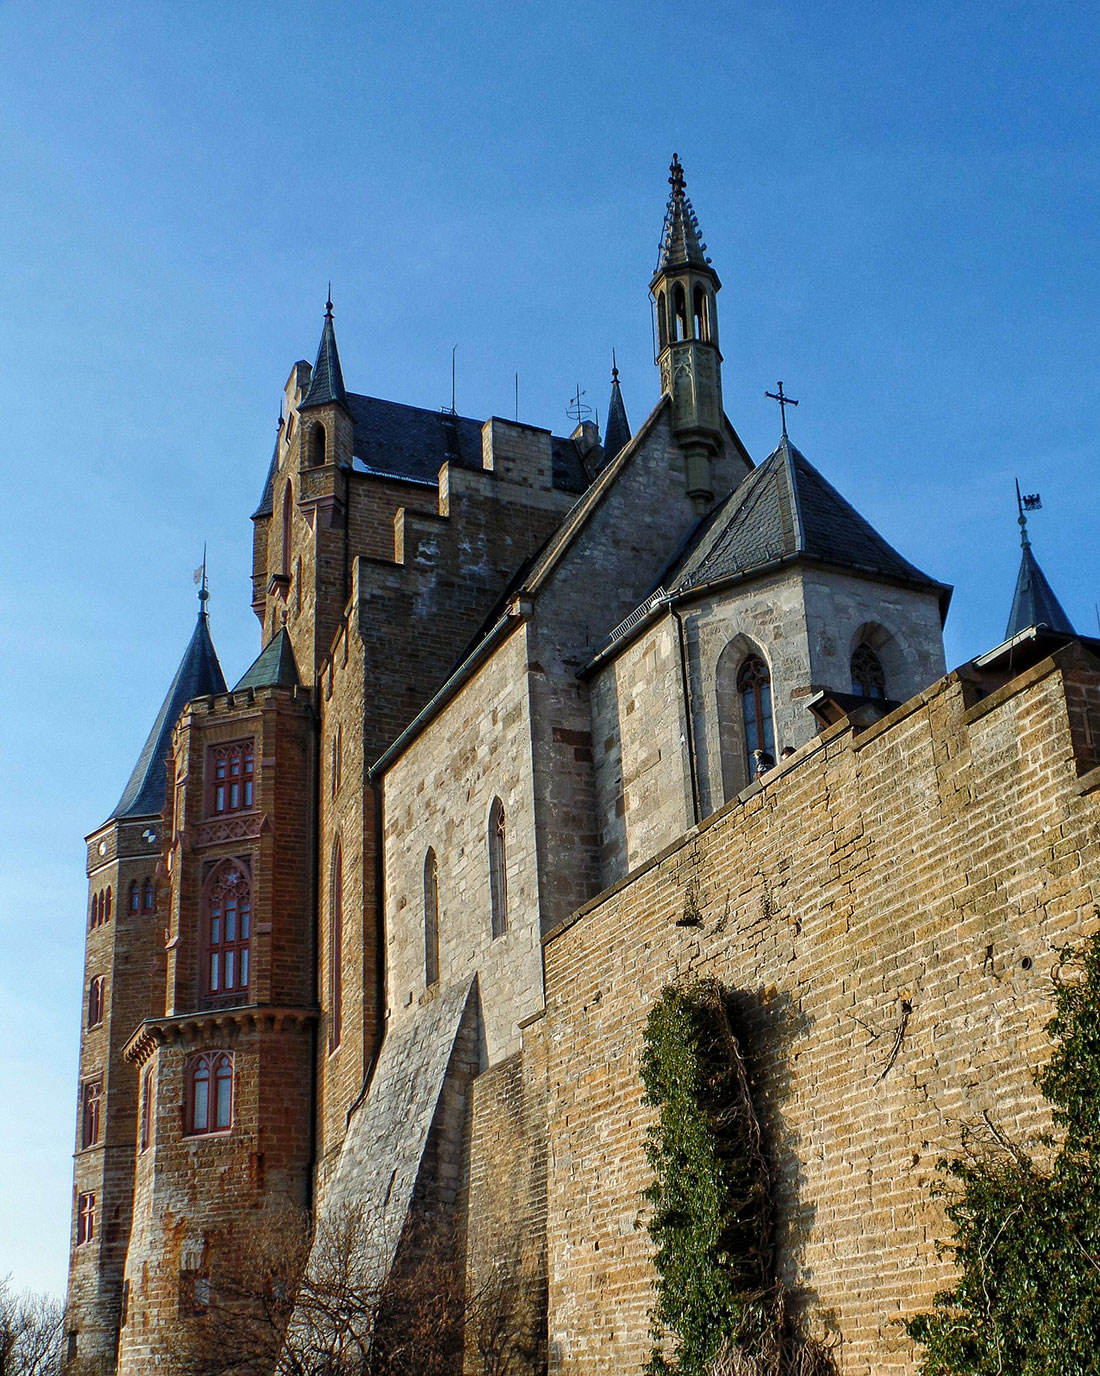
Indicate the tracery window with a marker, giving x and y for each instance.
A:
(755, 686)
(91, 1092)
(85, 1218)
(210, 1093)
(431, 918)
(233, 768)
(229, 923)
(868, 679)
(336, 950)
(95, 1000)
(498, 868)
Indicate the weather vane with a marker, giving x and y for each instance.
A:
(784, 402)
(1026, 501)
(578, 411)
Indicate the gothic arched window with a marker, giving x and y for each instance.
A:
(498, 868)
(135, 897)
(700, 312)
(317, 440)
(148, 896)
(336, 950)
(662, 320)
(755, 686)
(210, 1093)
(96, 989)
(868, 679)
(228, 929)
(679, 313)
(431, 918)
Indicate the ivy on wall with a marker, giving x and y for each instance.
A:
(1027, 1236)
(711, 1218)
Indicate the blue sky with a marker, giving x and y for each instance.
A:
(901, 200)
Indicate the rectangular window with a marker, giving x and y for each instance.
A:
(233, 777)
(90, 1094)
(85, 1218)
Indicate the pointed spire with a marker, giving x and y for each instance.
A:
(275, 666)
(199, 674)
(617, 436)
(681, 244)
(326, 383)
(1034, 602)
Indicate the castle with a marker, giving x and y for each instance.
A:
(540, 725)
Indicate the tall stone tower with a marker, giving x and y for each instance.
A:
(123, 966)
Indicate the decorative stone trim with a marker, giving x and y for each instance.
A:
(243, 827)
(197, 1028)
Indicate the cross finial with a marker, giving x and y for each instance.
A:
(328, 303)
(677, 181)
(784, 402)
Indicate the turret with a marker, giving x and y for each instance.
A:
(123, 978)
(1034, 602)
(684, 289)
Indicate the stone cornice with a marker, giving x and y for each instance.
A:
(196, 1028)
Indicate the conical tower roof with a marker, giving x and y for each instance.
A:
(326, 383)
(198, 675)
(681, 244)
(785, 509)
(617, 435)
(1034, 602)
(275, 667)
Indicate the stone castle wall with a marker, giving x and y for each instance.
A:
(918, 879)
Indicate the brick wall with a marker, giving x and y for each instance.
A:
(939, 859)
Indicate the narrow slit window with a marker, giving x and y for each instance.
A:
(336, 951)
(431, 918)
(498, 868)
(96, 989)
(91, 1093)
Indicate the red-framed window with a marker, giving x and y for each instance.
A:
(96, 989)
(85, 1218)
(146, 1107)
(210, 1093)
(228, 931)
(148, 896)
(91, 1093)
(101, 908)
(233, 770)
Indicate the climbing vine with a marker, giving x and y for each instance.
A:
(711, 1216)
(1026, 1301)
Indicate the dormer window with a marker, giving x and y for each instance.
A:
(232, 770)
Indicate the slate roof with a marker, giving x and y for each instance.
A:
(617, 435)
(198, 675)
(326, 383)
(266, 500)
(1034, 603)
(398, 441)
(785, 509)
(274, 667)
